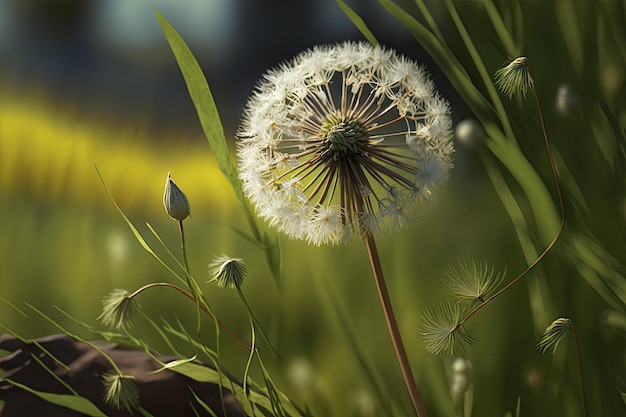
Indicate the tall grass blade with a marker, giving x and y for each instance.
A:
(358, 22)
(73, 402)
(136, 233)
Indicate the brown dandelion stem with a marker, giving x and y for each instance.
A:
(203, 307)
(580, 374)
(394, 331)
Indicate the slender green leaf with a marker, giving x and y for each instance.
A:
(144, 412)
(173, 364)
(429, 19)
(539, 198)
(203, 101)
(13, 306)
(202, 404)
(73, 402)
(358, 22)
(446, 60)
(539, 292)
(480, 66)
(36, 343)
(209, 117)
(167, 249)
(132, 227)
(500, 28)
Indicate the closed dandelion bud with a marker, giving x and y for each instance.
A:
(300, 374)
(566, 100)
(175, 201)
(228, 272)
(470, 133)
(461, 379)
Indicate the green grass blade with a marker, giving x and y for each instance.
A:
(338, 314)
(429, 19)
(73, 402)
(358, 22)
(500, 28)
(173, 364)
(539, 293)
(446, 60)
(209, 117)
(203, 101)
(169, 252)
(36, 343)
(202, 404)
(541, 202)
(480, 66)
(132, 227)
(54, 375)
(13, 306)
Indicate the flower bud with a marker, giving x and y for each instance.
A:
(566, 100)
(470, 133)
(175, 201)
(228, 272)
(461, 379)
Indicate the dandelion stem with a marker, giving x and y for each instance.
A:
(392, 325)
(561, 206)
(192, 298)
(184, 251)
(580, 374)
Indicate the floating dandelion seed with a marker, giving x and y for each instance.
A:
(343, 141)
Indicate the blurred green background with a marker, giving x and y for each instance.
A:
(93, 82)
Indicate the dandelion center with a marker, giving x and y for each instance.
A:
(344, 136)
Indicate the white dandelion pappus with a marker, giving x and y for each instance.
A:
(343, 141)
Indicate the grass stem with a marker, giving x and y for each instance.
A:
(580, 374)
(203, 307)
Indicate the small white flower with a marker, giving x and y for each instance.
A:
(344, 141)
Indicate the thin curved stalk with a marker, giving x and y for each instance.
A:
(394, 331)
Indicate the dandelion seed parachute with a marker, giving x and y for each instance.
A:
(342, 141)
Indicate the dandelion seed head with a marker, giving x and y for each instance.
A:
(342, 141)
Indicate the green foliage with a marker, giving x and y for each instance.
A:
(73, 402)
(583, 277)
